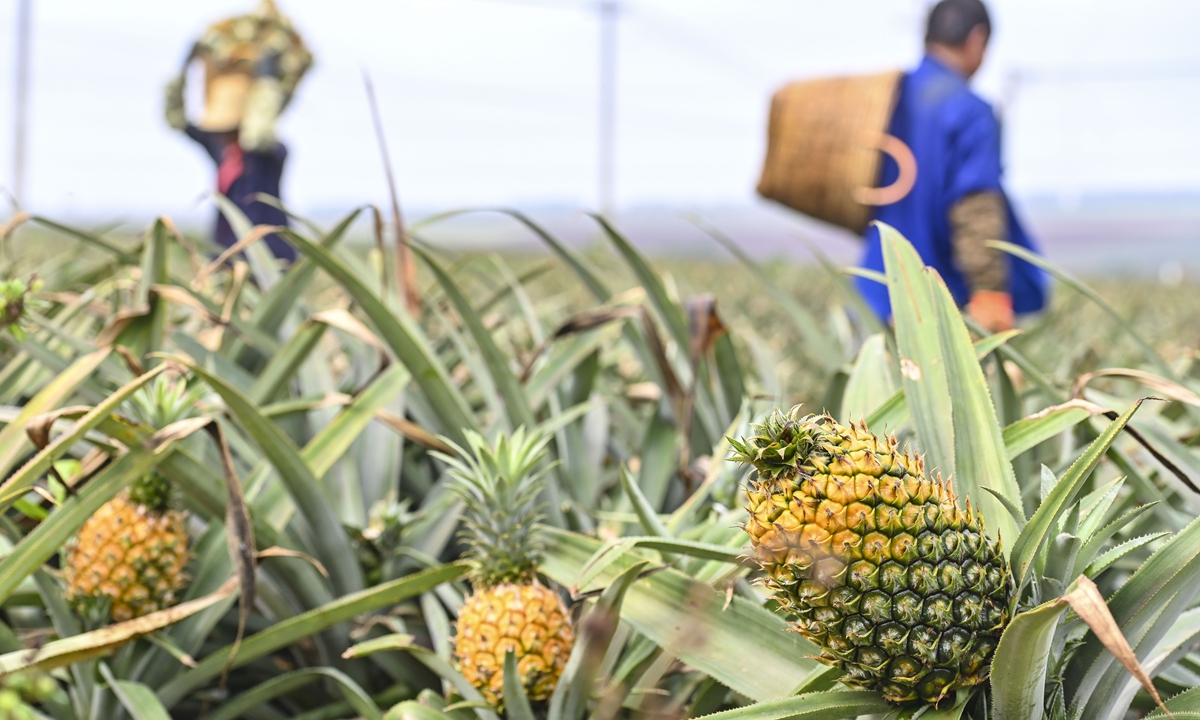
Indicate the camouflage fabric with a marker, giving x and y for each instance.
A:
(974, 220)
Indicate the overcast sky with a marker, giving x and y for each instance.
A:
(491, 101)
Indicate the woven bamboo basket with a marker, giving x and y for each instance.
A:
(823, 148)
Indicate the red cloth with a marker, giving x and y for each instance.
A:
(231, 167)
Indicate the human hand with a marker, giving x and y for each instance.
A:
(991, 309)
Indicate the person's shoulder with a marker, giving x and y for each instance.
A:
(965, 108)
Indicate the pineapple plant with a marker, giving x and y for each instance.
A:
(901, 588)
(129, 557)
(509, 609)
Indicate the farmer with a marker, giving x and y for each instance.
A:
(958, 202)
(252, 65)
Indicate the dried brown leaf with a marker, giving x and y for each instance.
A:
(1089, 605)
(240, 539)
(281, 552)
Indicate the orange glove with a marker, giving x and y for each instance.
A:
(991, 309)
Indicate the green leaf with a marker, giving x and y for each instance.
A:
(125, 257)
(279, 301)
(612, 551)
(816, 339)
(13, 442)
(515, 402)
(744, 646)
(922, 366)
(290, 630)
(264, 692)
(832, 705)
(333, 545)
(947, 393)
(516, 702)
(1042, 524)
(1027, 433)
(404, 338)
(1145, 607)
(570, 698)
(283, 364)
(1093, 544)
(1106, 560)
(647, 515)
(871, 383)
(1019, 666)
(36, 467)
(137, 699)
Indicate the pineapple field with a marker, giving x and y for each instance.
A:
(393, 482)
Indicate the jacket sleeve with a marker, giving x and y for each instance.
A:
(977, 211)
(974, 220)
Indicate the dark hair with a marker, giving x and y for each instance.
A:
(951, 21)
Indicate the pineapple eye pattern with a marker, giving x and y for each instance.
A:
(899, 586)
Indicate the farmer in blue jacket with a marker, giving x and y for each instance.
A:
(958, 202)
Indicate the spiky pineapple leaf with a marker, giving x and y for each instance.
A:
(29, 473)
(1018, 677)
(1027, 433)
(1097, 540)
(405, 339)
(1145, 608)
(241, 705)
(948, 395)
(1114, 554)
(288, 631)
(13, 441)
(516, 702)
(1040, 527)
(831, 705)
(744, 645)
(137, 699)
(333, 545)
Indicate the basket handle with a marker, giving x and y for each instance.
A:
(904, 158)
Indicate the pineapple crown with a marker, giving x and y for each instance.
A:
(164, 401)
(499, 484)
(782, 443)
(159, 404)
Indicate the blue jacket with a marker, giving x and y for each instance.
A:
(956, 140)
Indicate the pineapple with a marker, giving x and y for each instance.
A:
(508, 609)
(901, 589)
(131, 554)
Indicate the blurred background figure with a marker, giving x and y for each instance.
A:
(957, 203)
(252, 65)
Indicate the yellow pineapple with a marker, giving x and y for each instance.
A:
(130, 555)
(901, 588)
(509, 609)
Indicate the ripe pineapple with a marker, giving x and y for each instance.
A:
(508, 608)
(131, 554)
(902, 590)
